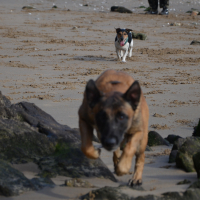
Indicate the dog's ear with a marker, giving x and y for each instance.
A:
(92, 93)
(133, 94)
(128, 30)
(117, 29)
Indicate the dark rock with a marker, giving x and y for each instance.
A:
(27, 133)
(21, 143)
(178, 143)
(13, 182)
(196, 160)
(45, 123)
(40, 183)
(196, 185)
(116, 193)
(197, 130)
(68, 160)
(195, 42)
(106, 193)
(191, 194)
(139, 36)
(27, 7)
(172, 156)
(185, 181)
(77, 182)
(172, 138)
(184, 158)
(120, 9)
(154, 139)
(148, 197)
(148, 148)
(134, 187)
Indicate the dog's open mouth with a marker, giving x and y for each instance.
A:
(122, 43)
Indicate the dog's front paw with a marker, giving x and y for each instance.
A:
(134, 182)
(123, 61)
(91, 153)
(121, 170)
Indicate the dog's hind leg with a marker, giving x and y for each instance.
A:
(86, 138)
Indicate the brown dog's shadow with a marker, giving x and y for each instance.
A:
(94, 58)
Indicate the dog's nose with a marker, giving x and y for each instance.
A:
(110, 142)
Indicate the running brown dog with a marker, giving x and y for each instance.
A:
(114, 105)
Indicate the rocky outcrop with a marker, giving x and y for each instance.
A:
(196, 160)
(28, 134)
(197, 130)
(108, 193)
(172, 138)
(184, 158)
(13, 182)
(154, 139)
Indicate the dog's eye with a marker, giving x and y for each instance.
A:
(121, 116)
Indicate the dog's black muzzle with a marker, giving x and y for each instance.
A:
(110, 143)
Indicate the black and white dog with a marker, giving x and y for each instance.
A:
(123, 43)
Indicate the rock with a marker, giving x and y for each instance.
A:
(185, 181)
(139, 36)
(178, 143)
(54, 6)
(134, 187)
(148, 148)
(116, 193)
(106, 193)
(13, 182)
(27, 133)
(185, 154)
(40, 183)
(20, 143)
(172, 138)
(197, 130)
(172, 156)
(77, 182)
(196, 160)
(28, 7)
(195, 42)
(196, 185)
(120, 9)
(69, 161)
(155, 139)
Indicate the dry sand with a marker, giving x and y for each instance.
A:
(47, 56)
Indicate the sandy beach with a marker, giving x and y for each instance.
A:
(47, 56)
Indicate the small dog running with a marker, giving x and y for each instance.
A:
(123, 43)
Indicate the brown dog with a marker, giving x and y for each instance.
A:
(115, 106)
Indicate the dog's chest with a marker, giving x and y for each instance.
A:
(125, 47)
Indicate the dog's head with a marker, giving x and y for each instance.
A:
(122, 35)
(113, 113)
